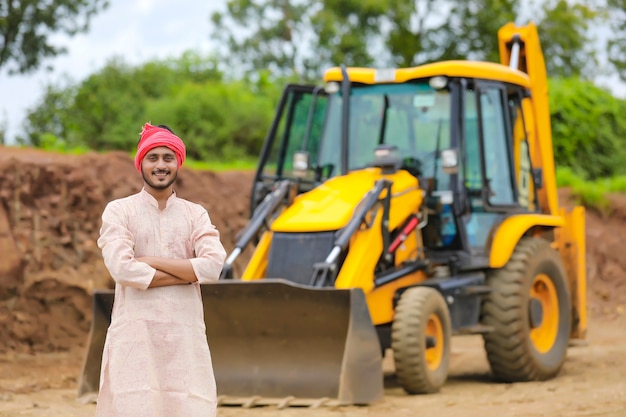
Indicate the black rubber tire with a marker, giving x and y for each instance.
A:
(416, 372)
(515, 354)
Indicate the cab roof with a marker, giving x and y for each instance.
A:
(464, 69)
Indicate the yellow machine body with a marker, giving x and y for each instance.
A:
(329, 207)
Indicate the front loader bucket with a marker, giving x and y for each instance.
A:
(90, 377)
(275, 342)
(272, 339)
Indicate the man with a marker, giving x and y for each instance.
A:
(158, 248)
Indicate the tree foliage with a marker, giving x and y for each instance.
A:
(588, 128)
(346, 32)
(26, 27)
(216, 118)
(224, 119)
(428, 31)
(222, 114)
(51, 115)
(219, 121)
(565, 40)
(301, 39)
(272, 35)
(616, 11)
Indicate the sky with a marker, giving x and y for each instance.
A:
(137, 30)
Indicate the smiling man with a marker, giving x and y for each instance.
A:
(158, 248)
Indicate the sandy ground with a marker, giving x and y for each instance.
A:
(592, 383)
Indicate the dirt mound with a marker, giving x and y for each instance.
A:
(50, 207)
(606, 263)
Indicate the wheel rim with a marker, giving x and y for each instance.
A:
(434, 355)
(544, 335)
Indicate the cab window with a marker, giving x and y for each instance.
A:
(496, 145)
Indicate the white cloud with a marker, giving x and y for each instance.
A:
(145, 5)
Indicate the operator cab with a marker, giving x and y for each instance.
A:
(463, 138)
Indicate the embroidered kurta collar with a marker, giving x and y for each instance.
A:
(148, 198)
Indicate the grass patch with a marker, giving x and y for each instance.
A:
(591, 194)
(220, 166)
(51, 143)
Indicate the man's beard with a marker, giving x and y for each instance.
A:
(159, 186)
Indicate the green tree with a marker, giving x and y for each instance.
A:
(345, 32)
(419, 32)
(469, 31)
(51, 115)
(428, 31)
(26, 27)
(401, 33)
(297, 39)
(219, 121)
(616, 48)
(588, 128)
(3, 131)
(567, 46)
(258, 35)
(102, 111)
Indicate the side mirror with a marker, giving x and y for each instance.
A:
(449, 161)
(301, 163)
(538, 177)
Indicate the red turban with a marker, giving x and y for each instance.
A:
(153, 137)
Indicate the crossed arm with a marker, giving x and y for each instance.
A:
(169, 271)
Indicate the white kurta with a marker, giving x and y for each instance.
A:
(156, 360)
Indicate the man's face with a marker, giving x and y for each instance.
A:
(159, 168)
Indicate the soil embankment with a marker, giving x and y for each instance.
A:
(50, 207)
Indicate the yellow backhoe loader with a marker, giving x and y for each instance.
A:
(391, 210)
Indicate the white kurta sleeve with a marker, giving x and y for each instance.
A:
(117, 245)
(209, 251)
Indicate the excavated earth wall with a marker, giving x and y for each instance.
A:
(50, 207)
